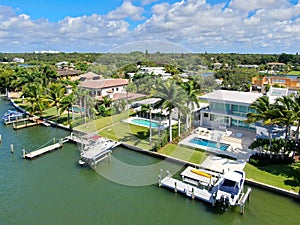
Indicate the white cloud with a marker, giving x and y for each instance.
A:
(126, 10)
(6, 12)
(257, 4)
(147, 2)
(258, 26)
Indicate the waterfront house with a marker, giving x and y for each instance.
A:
(227, 109)
(104, 87)
(282, 81)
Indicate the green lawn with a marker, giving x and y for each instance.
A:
(101, 123)
(131, 134)
(294, 72)
(282, 176)
(184, 153)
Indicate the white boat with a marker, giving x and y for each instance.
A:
(12, 115)
(230, 189)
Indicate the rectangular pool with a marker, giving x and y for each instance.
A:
(210, 144)
(145, 123)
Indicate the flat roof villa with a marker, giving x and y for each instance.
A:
(227, 109)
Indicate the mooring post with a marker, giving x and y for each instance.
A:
(175, 189)
(193, 193)
(12, 148)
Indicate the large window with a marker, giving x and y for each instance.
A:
(220, 119)
(242, 124)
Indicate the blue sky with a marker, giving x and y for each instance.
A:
(252, 26)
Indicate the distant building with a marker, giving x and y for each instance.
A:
(283, 81)
(104, 87)
(18, 60)
(158, 71)
(69, 74)
(90, 76)
(249, 66)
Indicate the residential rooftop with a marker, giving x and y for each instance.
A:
(103, 83)
(231, 96)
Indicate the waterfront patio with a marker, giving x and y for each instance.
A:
(237, 139)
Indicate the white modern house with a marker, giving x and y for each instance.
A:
(227, 109)
(157, 71)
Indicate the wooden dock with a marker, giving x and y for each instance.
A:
(42, 151)
(187, 189)
(7, 122)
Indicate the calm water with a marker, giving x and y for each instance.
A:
(52, 189)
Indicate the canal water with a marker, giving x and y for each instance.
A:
(53, 189)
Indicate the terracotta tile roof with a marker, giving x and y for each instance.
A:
(104, 83)
(64, 72)
(124, 95)
(91, 76)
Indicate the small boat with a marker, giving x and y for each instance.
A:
(81, 162)
(11, 115)
(230, 189)
(201, 173)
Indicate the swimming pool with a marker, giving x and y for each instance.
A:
(145, 123)
(209, 144)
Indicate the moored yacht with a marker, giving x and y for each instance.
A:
(230, 189)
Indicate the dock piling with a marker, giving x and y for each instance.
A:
(11, 148)
(193, 193)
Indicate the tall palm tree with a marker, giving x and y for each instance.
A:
(148, 108)
(171, 95)
(192, 99)
(34, 94)
(284, 113)
(262, 108)
(296, 107)
(55, 95)
(67, 102)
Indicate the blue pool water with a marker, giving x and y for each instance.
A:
(207, 143)
(145, 123)
(76, 109)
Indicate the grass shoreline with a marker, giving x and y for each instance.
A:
(286, 177)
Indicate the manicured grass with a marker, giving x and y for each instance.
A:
(294, 72)
(103, 122)
(184, 153)
(282, 176)
(131, 134)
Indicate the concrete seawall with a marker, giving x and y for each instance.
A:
(181, 162)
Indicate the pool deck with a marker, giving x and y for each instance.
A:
(238, 141)
(163, 124)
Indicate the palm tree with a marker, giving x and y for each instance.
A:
(148, 108)
(107, 101)
(192, 99)
(284, 113)
(34, 94)
(67, 102)
(296, 107)
(81, 95)
(262, 108)
(56, 94)
(171, 95)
